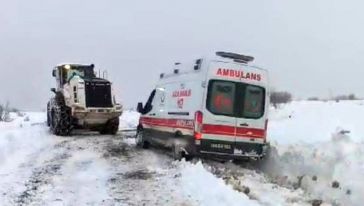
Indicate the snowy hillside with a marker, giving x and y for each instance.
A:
(320, 148)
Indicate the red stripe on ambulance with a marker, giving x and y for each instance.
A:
(233, 131)
(206, 128)
(173, 123)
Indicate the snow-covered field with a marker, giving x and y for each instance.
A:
(320, 157)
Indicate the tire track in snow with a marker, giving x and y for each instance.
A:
(29, 147)
(142, 177)
(81, 178)
(42, 175)
(105, 170)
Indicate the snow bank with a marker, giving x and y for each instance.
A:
(209, 190)
(29, 119)
(311, 122)
(129, 120)
(321, 142)
(19, 143)
(18, 138)
(340, 160)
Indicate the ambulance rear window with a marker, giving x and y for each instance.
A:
(253, 102)
(235, 99)
(222, 98)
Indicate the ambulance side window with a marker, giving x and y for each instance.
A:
(221, 97)
(254, 100)
(148, 105)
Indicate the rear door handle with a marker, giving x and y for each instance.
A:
(244, 125)
(153, 114)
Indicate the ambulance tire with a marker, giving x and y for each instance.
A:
(140, 141)
(61, 120)
(111, 127)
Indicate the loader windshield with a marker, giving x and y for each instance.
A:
(84, 71)
(69, 71)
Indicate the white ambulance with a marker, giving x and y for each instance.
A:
(214, 107)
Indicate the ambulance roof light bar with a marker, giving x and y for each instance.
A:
(237, 57)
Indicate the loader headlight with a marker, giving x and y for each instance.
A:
(67, 66)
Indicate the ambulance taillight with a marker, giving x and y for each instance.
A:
(198, 125)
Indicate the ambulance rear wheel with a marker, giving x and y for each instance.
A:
(140, 140)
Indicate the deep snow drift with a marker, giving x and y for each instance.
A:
(129, 120)
(322, 144)
(315, 121)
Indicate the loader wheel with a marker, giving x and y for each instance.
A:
(48, 116)
(48, 120)
(111, 127)
(140, 141)
(61, 121)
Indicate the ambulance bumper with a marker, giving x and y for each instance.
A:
(229, 150)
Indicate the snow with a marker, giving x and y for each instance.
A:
(38, 168)
(32, 158)
(320, 142)
(209, 190)
(129, 120)
(84, 181)
(315, 121)
(325, 140)
(313, 139)
(29, 118)
(18, 141)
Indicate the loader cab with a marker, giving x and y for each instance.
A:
(63, 73)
